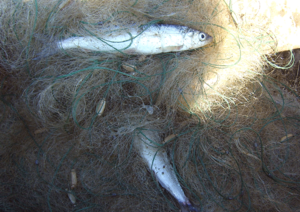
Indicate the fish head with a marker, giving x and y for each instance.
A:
(203, 37)
(199, 39)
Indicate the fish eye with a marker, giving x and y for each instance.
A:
(202, 36)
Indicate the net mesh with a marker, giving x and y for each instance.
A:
(232, 107)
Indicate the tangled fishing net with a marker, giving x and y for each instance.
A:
(236, 122)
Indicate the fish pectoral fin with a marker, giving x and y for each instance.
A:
(172, 48)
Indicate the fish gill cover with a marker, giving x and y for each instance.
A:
(236, 126)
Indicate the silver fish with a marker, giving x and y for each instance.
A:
(157, 160)
(145, 40)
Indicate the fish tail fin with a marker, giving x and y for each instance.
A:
(46, 52)
(49, 47)
(188, 207)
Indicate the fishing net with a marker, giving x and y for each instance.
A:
(233, 106)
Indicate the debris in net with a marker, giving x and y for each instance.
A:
(101, 107)
(73, 179)
(142, 58)
(169, 138)
(41, 130)
(129, 67)
(71, 196)
(149, 109)
(285, 138)
(64, 4)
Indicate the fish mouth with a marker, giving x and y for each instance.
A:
(209, 39)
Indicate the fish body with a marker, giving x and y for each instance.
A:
(158, 162)
(141, 40)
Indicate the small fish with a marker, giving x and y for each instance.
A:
(146, 141)
(146, 40)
